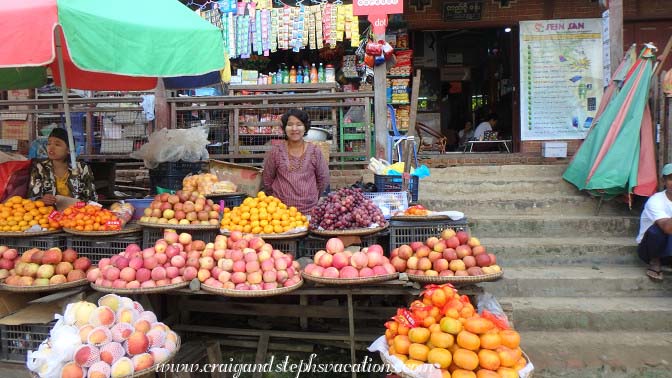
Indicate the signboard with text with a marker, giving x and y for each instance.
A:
(367, 7)
(462, 10)
(561, 77)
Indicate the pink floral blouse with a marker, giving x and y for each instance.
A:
(296, 181)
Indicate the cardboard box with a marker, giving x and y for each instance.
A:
(12, 302)
(15, 129)
(247, 179)
(19, 94)
(554, 149)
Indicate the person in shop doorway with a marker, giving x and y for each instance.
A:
(484, 126)
(54, 176)
(466, 134)
(655, 229)
(295, 171)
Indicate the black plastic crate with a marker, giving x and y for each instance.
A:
(42, 242)
(230, 201)
(170, 175)
(150, 235)
(389, 183)
(404, 232)
(286, 246)
(17, 340)
(309, 246)
(98, 247)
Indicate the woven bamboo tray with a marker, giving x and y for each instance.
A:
(131, 228)
(39, 289)
(150, 371)
(24, 234)
(250, 293)
(418, 218)
(223, 194)
(455, 279)
(350, 232)
(180, 226)
(350, 281)
(283, 236)
(142, 290)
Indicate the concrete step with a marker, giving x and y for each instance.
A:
(433, 187)
(520, 204)
(553, 251)
(628, 314)
(611, 354)
(578, 281)
(560, 225)
(499, 171)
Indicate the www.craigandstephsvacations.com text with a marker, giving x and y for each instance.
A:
(279, 365)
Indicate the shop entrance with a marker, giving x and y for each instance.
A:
(467, 74)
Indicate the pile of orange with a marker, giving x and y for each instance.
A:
(417, 210)
(444, 330)
(263, 215)
(89, 218)
(18, 214)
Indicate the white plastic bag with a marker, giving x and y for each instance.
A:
(172, 145)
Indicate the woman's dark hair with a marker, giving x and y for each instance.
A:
(60, 134)
(493, 116)
(300, 115)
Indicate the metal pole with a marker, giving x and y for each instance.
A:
(64, 91)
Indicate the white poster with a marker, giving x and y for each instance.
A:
(561, 77)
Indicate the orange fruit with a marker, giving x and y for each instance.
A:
(438, 298)
(491, 340)
(508, 357)
(506, 372)
(402, 329)
(418, 335)
(435, 328)
(440, 356)
(478, 325)
(461, 373)
(485, 373)
(465, 359)
(418, 352)
(510, 338)
(428, 321)
(488, 359)
(450, 325)
(412, 364)
(468, 340)
(441, 339)
(401, 344)
(520, 364)
(402, 357)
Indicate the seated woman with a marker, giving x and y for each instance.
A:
(295, 171)
(55, 177)
(655, 228)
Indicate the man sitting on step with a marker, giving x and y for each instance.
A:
(655, 228)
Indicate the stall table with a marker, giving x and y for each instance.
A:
(502, 144)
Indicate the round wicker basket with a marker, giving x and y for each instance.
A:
(350, 232)
(350, 281)
(455, 279)
(28, 234)
(283, 236)
(143, 290)
(40, 289)
(180, 226)
(251, 293)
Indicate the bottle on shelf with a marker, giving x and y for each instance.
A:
(299, 75)
(321, 74)
(313, 74)
(330, 74)
(285, 75)
(292, 75)
(306, 75)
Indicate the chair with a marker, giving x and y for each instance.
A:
(437, 142)
(394, 141)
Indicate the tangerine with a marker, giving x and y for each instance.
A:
(468, 340)
(440, 356)
(465, 359)
(418, 352)
(488, 359)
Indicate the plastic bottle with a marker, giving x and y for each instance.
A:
(321, 74)
(313, 74)
(330, 74)
(306, 75)
(292, 75)
(299, 75)
(285, 75)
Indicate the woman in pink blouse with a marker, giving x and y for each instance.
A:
(295, 171)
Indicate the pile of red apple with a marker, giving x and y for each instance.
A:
(182, 208)
(247, 263)
(43, 268)
(451, 254)
(7, 258)
(336, 262)
(173, 259)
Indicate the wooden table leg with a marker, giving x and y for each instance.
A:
(262, 350)
(214, 357)
(351, 326)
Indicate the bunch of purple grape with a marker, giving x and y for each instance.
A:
(345, 209)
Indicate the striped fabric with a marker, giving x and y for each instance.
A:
(296, 187)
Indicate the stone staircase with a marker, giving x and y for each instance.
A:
(580, 297)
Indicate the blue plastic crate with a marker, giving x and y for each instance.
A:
(390, 183)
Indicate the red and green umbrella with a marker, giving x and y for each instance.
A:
(617, 156)
(103, 45)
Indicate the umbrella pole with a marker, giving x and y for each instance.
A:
(64, 91)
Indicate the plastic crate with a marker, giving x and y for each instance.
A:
(42, 242)
(151, 235)
(17, 340)
(98, 247)
(403, 232)
(286, 246)
(170, 175)
(389, 183)
(230, 201)
(389, 202)
(139, 206)
(309, 246)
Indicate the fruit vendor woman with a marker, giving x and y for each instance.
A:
(295, 171)
(655, 228)
(53, 176)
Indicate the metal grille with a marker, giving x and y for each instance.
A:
(17, 340)
(120, 130)
(96, 248)
(402, 232)
(216, 120)
(41, 242)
